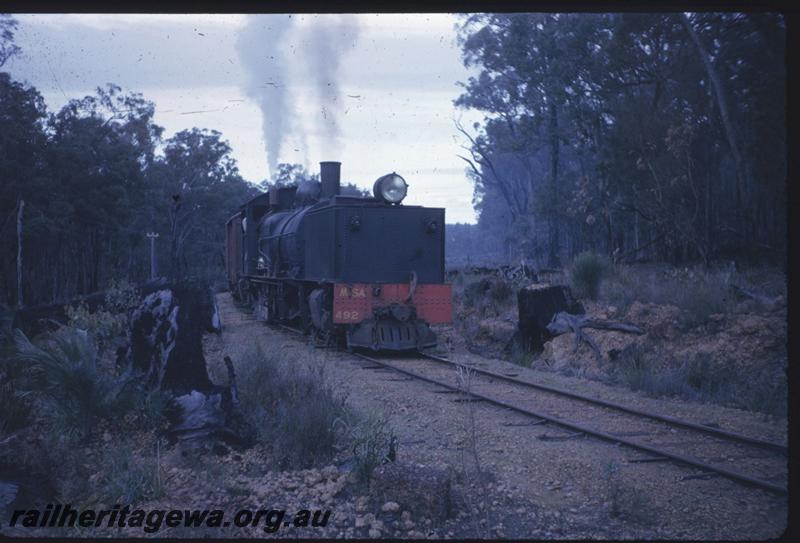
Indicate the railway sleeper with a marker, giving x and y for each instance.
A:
(547, 437)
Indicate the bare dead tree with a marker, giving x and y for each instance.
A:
(480, 157)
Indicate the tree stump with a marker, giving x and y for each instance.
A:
(166, 346)
(537, 305)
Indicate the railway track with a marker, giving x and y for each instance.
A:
(661, 437)
(616, 426)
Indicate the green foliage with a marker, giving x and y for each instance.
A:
(94, 185)
(372, 444)
(597, 154)
(127, 478)
(520, 355)
(501, 291)
(586, 273)
(475, 291)
(697, 293)
(101, 325)
(294, 408)
(700, 379)
(122, 296)
(111, 319)
(305, 433)
(150, 407)
(78, 391)
(15, 409)
(8, 48)
(487, 295)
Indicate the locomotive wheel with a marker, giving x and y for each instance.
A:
(242, 292)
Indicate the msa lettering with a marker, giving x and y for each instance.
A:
(359, 292)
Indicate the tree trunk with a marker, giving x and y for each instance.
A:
(20, 210)
(554, 164)
(724, 113)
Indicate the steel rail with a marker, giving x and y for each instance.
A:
(612, 405)
(686, 460)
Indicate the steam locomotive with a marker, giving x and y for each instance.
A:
(368, 272)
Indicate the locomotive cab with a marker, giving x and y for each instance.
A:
(368, 270)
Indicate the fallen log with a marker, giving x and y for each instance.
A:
(564, 322)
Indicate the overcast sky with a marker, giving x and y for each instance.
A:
(372, 91)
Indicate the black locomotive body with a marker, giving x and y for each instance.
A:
(367, 270)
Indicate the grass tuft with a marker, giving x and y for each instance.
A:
(586, 273)
(372, 444)
(77, 391)
(697, 294)
(127, 478)
(293, 408)
(699, 379)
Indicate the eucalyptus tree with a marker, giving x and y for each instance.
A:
(661, 135)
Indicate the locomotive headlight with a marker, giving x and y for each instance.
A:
(390, 188)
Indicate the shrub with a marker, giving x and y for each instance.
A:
(15, 409)
(78, 392)
(101, 325)
(372, 444)
(151, 406)
(697, 294)
(127, 478)
(622, 287)
(700, 379)
(475, 292)
(305, 429)
(121, 297)
(110, 320)
(294, 409)
(520, 354)
(586, 273)
(500, 291)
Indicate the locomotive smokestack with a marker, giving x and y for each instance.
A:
(329, 178)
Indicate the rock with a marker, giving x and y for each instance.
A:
(374, 533)
(405, 516)
(415, 487)
(360, 522)
(390, 507)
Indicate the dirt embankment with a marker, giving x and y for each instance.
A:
(743, 340)
(711, 344)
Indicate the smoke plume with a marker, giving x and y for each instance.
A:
(323, 40)
(329, 38)
(261, 50)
